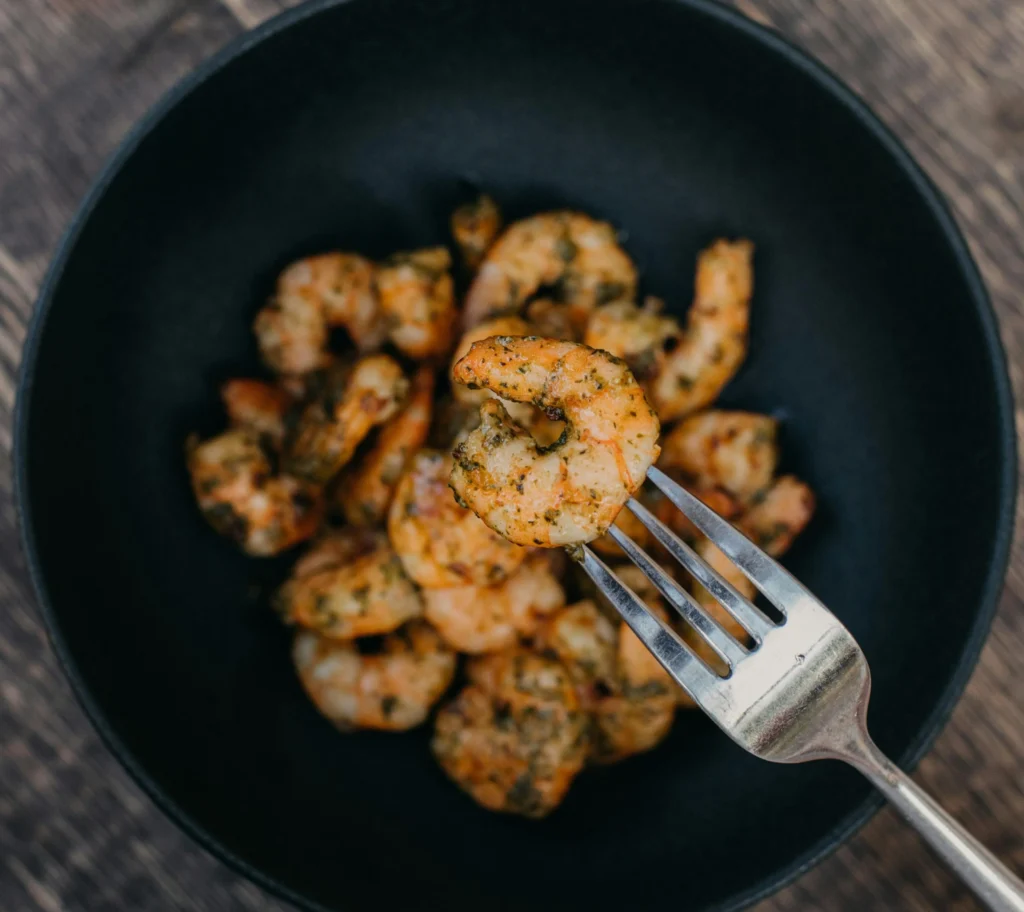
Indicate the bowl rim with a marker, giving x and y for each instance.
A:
(842, 95)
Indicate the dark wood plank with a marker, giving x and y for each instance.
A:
(75, 833)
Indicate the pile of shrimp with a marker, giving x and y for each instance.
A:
(439, 463)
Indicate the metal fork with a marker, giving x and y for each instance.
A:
(798, 691)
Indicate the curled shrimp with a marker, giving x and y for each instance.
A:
(244, 500)
(570, 492)
(417, 299)
(734, 451)
(314, 294)
(260, 406)
(576, 255)
(441, 544)
(351, 402)
(364, 492)
(515, 737)
(474, 226)
(353, 585)
(631, 697)
(715, 341)
(392, 690)
(478, 619)
(642, 336)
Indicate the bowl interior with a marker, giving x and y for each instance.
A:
(353, 129)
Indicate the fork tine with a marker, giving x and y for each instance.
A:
(756, 624)
(727, 648)
(776, 583)
(665, 645)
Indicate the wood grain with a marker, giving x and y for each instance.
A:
(75, 834)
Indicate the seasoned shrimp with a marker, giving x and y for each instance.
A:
(584, 638)
(243, 500)
(418, 301)
(392, 690)
(477, 619)
(570, 492)
(715, 341)
(515, 738)
(365, 491)
(777, 517)
(640, 716)
(260, 406)
(735, 451)
(642, 336)
(441, 544)
(632, 698)
(475, 225)
(364, 592)
(314, 294)
(576, 255)
(350, 404)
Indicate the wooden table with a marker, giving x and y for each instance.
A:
(75, 834)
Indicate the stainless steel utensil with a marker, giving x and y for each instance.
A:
(798, 691)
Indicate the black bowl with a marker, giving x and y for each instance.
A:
(351, 125)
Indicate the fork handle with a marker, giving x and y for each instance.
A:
(993, 883)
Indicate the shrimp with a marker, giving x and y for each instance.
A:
(515, 738)
(441, 544)
(630, 696)
(243, 500)
(392, 690)
(418, 301)
(261, 406)
(363, 592)
(734, 451)
(364, 493)
(640, 716)
(642, 336)
(570, 492)
(314, 294)
(350, 404)
(475, 225)
(779, 515)
(715, 341)
(576, 255)
(477, 619)
(584, 638)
